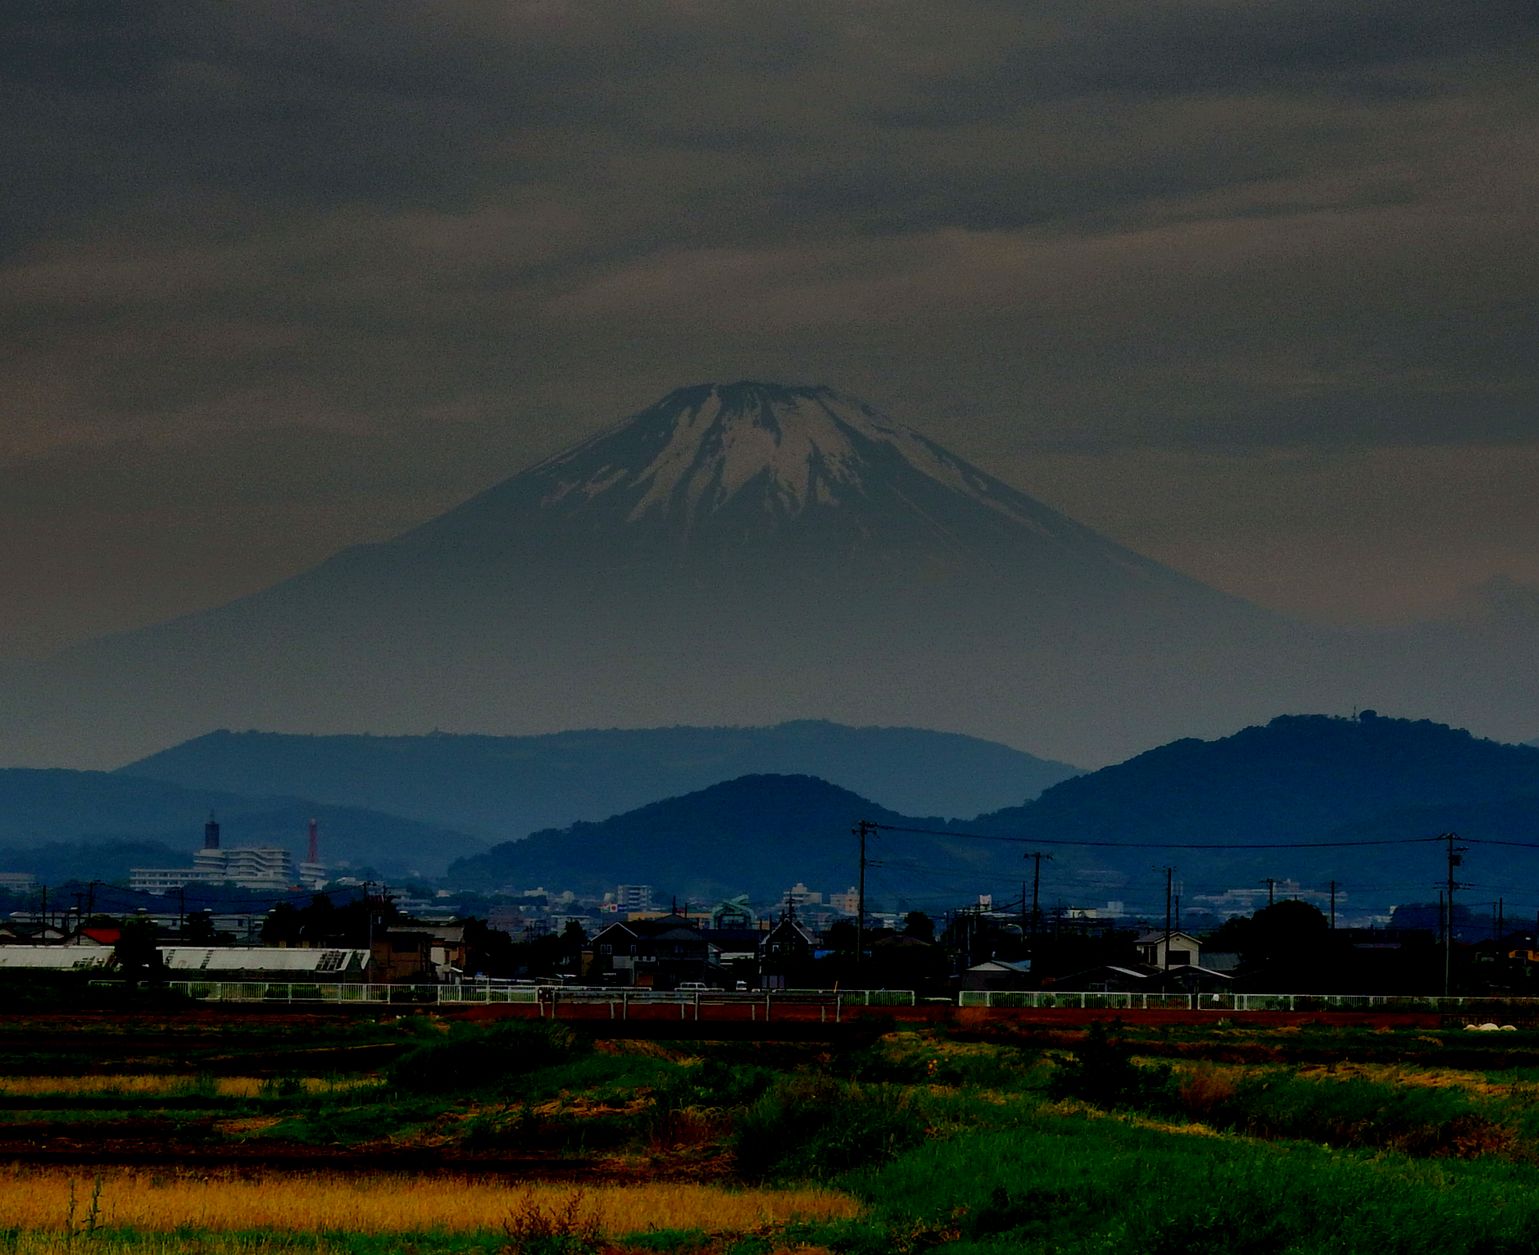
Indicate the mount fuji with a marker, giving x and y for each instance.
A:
(746, 553)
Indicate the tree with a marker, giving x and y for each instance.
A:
(199, 930)
(282, 925)
(573, 939)
(918, 924)
(842, 936)
(323, 923)
(136, 955)
(1282, 946)
(489, 951)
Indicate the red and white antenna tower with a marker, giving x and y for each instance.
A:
(315, 843)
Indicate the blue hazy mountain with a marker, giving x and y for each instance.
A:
(1294, 781)
(506, 787)
(40, 809)
(747, 554)
(756, 835)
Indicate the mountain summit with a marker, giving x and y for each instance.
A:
(735, 554)
(758, 456)
(801, 477)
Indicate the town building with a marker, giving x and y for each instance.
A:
(245, 867)
(652, 953)
(1163, 949)
(633, 898)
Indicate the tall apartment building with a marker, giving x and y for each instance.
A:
(248, 867)
(633, 898)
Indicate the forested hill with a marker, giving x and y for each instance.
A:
(756, 835)
(505, 787)
(1297, 782)
(1299, 777)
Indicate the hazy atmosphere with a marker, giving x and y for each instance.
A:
(1250, 289)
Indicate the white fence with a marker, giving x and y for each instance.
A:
(547, 997)
(1032, 999)
(763, 1004)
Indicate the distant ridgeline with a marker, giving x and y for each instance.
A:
(741, 554)
(505, 787)
(1353, 801)
(137, 822)
(1295, 783)
(1301, 779)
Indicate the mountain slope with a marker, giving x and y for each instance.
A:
(756, 835)
(735, 554)
(1357, 801)
(1298, 779)
(1298, 776)
(746, 554)
(510, 786)
(39, 808)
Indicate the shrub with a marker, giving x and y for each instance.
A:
(1102, 1072)
(566, 1228)
(472, 1058)
(1418, 1120)
(1206, 1094)
(818, 1128)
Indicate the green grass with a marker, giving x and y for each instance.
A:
(603, 1078)
(1063, 1141)
(1106, 1184)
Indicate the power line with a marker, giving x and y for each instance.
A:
(1517, 845)
(1163, 845)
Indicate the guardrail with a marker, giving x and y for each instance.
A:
(1219, 1002)
(619, 1002)
(344, 992)
(622, 1003)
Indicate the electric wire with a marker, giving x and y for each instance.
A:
(1161, 845)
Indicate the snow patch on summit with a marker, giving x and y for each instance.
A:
(802, 448)
(783, 450)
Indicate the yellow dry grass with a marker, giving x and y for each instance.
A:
(1400, 1074)
(35, 1243)
(167, 1086)
(380, 1203)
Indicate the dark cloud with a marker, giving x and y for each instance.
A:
(1216, 227)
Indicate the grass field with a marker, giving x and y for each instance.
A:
(1190, 1140)
(378, 1203)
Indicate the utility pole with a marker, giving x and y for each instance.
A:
(368, 912)
(1036, 857)
(1333, 906)
(863, 829)
(1271, 890)
(1455, 857)
(1169, 872)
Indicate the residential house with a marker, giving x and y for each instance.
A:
(1161, 949)
(786, 954)
(999, 974)
(652, 953)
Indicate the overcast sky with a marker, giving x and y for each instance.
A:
(1251, 287)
